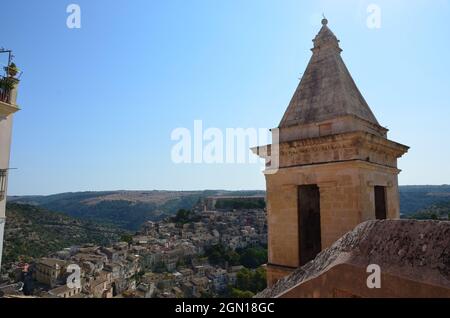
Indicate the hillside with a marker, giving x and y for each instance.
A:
(32, 232)
(438, 211)
(418, 197)
(129, 209)
(125, 209)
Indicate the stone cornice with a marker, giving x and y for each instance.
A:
(356, 139)
(345, 163)
(7, 109)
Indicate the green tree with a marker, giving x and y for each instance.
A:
(221, 255)
(160, 267)
(237, 293)
(251, 280)
(253, 257)
(185, 216)
(127, 238)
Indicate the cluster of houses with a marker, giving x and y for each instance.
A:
(164, 259)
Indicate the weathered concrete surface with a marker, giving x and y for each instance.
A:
(414, 257)
(7, 109)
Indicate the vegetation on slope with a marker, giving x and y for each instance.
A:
(248, 283)
(124, 209)
(418, 197)
(184, 216)
(250, 257)
(33, 232)
(438, 211)
(240, 203)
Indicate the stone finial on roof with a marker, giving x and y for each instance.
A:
(325, 38)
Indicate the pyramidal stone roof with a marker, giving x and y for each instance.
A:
(326, 90)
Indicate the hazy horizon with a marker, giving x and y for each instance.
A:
(188, 190)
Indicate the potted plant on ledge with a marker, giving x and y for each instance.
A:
(12, 70)
(6, 86)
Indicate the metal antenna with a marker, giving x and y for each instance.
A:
(10, 55)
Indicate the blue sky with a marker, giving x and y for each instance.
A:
(99, 103)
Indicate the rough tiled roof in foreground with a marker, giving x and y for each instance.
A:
(417, 250)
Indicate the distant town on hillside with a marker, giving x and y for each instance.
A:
(162, 244)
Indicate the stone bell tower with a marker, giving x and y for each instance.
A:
(335, 166)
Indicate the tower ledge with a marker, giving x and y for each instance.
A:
(7, 109)
(356, 145)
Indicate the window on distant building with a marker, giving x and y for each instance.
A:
(3, 173)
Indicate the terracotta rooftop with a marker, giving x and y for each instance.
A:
(326, 90)
(52, 262)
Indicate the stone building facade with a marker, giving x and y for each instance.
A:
(50, 272)
(335, 166)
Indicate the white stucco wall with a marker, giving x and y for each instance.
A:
(2, 228)
(5, 147)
